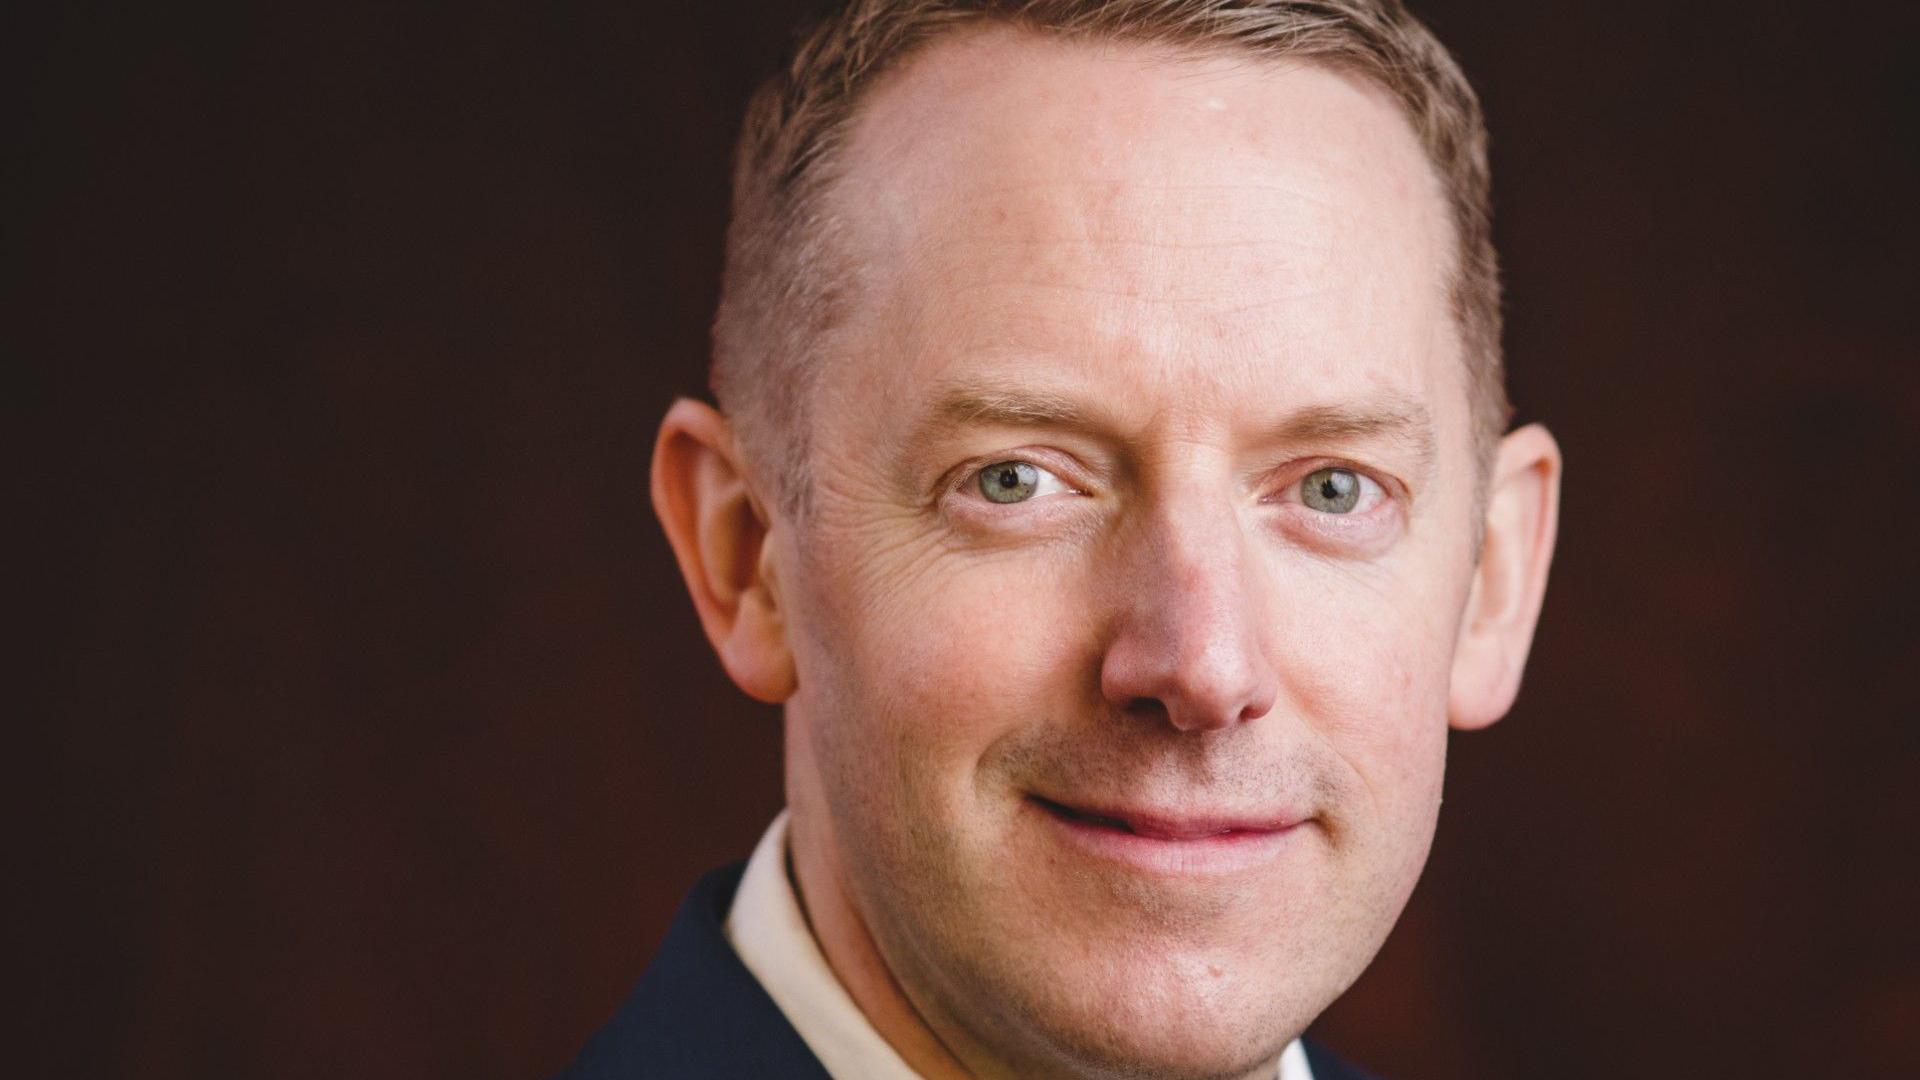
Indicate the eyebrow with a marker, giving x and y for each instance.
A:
(966, 404)
(1406, 423)
(1390, 419)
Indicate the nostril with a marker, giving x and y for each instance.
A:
(1192, 659)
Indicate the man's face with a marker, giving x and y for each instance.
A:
(1141, 533)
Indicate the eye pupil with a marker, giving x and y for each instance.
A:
(1009, 481)
(1331, 491)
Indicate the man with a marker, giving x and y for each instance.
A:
(1111, 482)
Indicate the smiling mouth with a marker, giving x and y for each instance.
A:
(1153, 826)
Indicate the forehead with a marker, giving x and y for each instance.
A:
(1194, 225)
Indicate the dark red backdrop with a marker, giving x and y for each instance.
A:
(365, 730)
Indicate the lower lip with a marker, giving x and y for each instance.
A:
(1206, 856)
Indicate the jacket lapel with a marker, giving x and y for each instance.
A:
(698, 1011)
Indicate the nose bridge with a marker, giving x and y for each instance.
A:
(1190, 640)
(1198, 556)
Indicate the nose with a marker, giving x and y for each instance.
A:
(1188, 643)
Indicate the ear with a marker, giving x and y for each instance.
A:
(1496, 629)
(718, 530)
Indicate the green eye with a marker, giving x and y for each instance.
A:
(1331, 491)
(1009, 482)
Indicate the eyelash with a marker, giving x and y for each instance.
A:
(1381, 490)
(968, 478)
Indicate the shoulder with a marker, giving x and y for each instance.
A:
(698, 1011)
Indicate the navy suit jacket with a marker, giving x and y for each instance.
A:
(699, 1013)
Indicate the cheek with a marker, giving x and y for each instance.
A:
(1372, 684)
(928, 666)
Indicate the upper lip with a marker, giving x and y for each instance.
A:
(1171, 825)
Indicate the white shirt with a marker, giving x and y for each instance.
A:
(769, 931)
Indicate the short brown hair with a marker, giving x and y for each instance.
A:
(783, 287)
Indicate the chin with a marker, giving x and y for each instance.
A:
(1176, 1044)
(1085, 970)
(1168, 1014)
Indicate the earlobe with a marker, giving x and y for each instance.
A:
(1510, 581)
(719, 532)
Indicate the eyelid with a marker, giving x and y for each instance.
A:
(966, 477)
(1289, 489)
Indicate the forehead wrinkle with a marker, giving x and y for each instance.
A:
(1128, 211)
